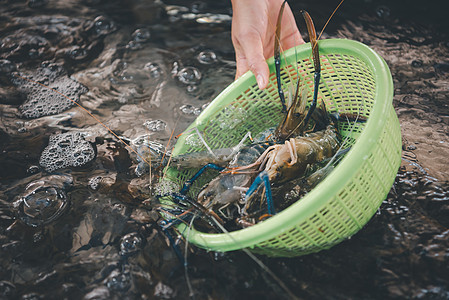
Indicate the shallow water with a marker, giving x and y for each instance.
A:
(87, 230)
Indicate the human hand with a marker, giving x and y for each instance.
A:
(253, 35)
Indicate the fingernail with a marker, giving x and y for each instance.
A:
(260, 81)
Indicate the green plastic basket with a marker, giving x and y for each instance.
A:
(354, 79)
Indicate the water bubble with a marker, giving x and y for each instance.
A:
(153, 69)
(94, 182)
(175, 69)
(189, 75)
(133, 45)
(119, 281)
(43, 201)
(417, 63)
(44, 101)
(33, 169)
(103, 26)
(207, 57)
(155, 125)
(65, 150)
(130, 244)
(121, 71)
(190, 110)
(383, 11)
(141, 35)
(166, 187)
(38, 237)
(77, 53)
(119, 68)
(191, 88)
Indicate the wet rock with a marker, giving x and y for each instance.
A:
(66, 150)
(48, 91)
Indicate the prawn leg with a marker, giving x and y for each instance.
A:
(165, 225)
(188, 183)
(262, 178)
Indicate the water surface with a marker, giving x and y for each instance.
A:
(147, 69)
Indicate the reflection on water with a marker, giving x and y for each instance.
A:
(147, 69)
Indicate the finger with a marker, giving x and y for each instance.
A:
(241, 61)
(252, 49)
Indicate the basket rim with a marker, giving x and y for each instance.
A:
(340, 176)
